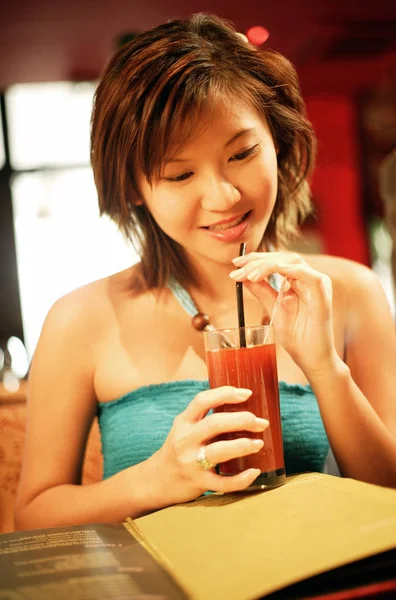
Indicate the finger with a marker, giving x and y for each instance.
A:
(304, 274)
(268, 257)
(205, 401)
(239, 261)
(260, 269)
(221, 451)
(251, 267)
(246, 258)
(264, 292)
(232, 483)
(227, 422)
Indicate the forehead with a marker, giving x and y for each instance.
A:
(211, 117)
(219, 120)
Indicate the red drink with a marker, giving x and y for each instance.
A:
(253, 367)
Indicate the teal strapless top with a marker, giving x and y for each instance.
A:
(136, 425)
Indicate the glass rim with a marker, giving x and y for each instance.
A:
(236, 329)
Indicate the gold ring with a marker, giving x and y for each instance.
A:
(203, 462)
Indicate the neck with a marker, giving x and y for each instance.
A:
(215, 295)
(212, 281)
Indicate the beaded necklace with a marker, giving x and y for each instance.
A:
(200, 321)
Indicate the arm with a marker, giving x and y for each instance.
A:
(356, 398)
(61, 406)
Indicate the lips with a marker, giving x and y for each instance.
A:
(226, 223)
(229, 230)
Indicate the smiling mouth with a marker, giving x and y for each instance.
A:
(228, 224)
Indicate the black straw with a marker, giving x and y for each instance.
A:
(241, 312)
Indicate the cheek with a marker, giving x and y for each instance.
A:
(263, 179)
(169, 211)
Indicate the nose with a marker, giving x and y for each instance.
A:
(219, 194)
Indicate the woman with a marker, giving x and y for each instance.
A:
(199, 143)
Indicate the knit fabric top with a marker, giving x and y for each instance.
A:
(137, 424)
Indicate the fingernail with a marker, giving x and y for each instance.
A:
(261, 423)
(243, 393)
(255, 472)
(253, 274)
(236, 274)
(239, 260)
(258, 444)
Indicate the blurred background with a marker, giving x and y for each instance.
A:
(52, 53)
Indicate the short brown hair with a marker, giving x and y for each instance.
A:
(150, 99)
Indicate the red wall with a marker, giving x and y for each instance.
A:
(336, 184)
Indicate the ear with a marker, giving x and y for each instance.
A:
(138, 200)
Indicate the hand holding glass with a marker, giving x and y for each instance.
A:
(252, 366)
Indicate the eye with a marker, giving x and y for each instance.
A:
(244, 154)
(182, 177)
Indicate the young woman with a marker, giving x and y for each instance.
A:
(199, 143)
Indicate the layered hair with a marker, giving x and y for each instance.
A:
(150, 100)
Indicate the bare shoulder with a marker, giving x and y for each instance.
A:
(345, 274)
(84, 305)
(84, 312)
(357, 288)
(74, 328)
(67, 350)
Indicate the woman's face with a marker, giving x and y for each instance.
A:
(220, 188)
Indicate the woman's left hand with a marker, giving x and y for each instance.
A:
(303, 319)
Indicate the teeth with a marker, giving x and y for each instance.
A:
(226, 225)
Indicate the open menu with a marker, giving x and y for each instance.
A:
(246, 546)
(315, 534)
(83, 562)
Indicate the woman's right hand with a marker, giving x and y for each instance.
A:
(182, 476)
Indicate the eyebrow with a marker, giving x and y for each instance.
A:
(233, 139)
(238, 135)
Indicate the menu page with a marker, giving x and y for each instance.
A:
(243, 546)
(84, 562)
